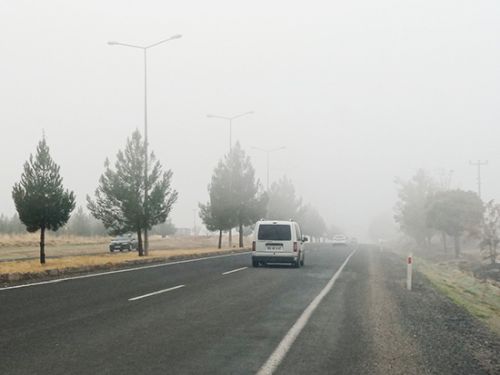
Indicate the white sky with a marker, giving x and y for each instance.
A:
(358, 91)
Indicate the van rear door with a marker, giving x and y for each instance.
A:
(274, 238)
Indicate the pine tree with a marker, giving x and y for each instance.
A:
(40, 199)
(235, 197)
(283, 203)
(217, 214)
(119, 198)
(247, 202)
(79, 224)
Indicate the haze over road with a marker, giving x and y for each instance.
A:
(221, 316)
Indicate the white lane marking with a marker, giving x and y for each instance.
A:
(286, 343)
(157, 292)
(120, 271)
(236, 270)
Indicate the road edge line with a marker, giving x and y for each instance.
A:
(286, 343)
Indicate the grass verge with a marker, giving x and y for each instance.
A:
(480, 298)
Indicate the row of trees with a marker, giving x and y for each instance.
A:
(426, 209)
(284, 204)
(119, 204)
(81, 223)
(236, 199)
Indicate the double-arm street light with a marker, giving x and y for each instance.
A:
(230, 119)
(268, 152)
(146, 187)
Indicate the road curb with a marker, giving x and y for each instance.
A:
(8, 278)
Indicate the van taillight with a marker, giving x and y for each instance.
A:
(253, 246)
(295, 247)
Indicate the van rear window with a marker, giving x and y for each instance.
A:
(274, 232)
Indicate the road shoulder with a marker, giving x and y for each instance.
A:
(370, 323)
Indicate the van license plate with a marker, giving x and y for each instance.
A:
(274, 248)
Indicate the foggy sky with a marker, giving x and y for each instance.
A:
(359, 92)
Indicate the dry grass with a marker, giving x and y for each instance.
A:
(26, 246)
(480, 298)
(107, 259)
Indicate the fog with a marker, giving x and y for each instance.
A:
(358, 92)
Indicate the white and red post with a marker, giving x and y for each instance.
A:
(409, 269)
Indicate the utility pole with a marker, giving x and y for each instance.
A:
(194, 222)
(478, 164)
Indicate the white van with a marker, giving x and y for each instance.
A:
(278, 242)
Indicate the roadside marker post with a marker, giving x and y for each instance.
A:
(409, 269)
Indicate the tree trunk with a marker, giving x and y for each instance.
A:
(220, 238)
(146, 244)
(139, 243)
(457, 245)
(241, 235)
(231, 237)
(445, 245)
(42, 245)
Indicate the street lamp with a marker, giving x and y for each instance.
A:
(268, 152)
(146, 187)
(230, 119)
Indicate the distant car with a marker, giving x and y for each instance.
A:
(339, 239)
(278, 242)
(123, 242)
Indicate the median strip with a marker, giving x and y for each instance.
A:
(286, 343)
(236, 270)
(157, 292)
(86, 276)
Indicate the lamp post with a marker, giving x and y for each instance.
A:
(268, 152)
(478, 164)
(230, 119)
(146, 187)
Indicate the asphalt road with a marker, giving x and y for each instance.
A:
(201, 318)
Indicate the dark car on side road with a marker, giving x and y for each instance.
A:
(123, 242)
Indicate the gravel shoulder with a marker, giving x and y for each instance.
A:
(370, 323)
(451, 340)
